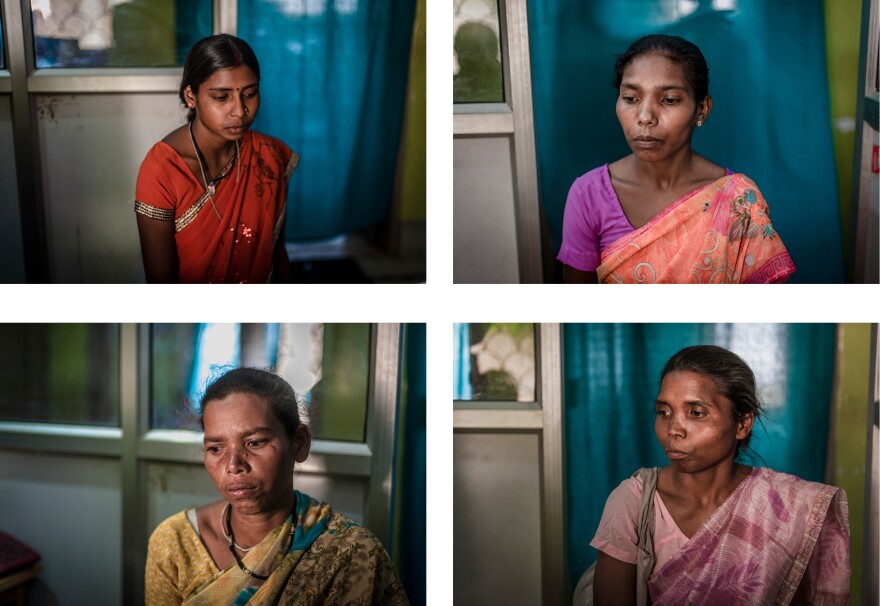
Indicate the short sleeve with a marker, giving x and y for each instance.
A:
(154, 192)
(580, 240)
(617, 535)
(161, 574)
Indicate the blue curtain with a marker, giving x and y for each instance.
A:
(412, 459)
(461, 376)
(771, 114)
(612, 377)
(333, 86)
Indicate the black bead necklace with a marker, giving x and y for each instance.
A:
(232, 545)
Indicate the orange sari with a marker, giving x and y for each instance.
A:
(720, 233)
(232, 240)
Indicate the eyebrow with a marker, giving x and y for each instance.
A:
(663, 87)
(688, 403)
(225, 89)
(247, 432)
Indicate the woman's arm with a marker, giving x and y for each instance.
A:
(614, 582)
(158, 249)
(570, 275)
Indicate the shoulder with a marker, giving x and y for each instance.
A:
(346, 534)
(274, 150)
(171, 531)
(787, 491)
(596, 179)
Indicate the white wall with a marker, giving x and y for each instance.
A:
(68, 508)
(92, 146)
(484, 226)
(497, 521)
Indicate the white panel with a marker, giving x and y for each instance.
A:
(173, 487)
(92, 147)
(12, 268)
(68, 508)
(484, 226)
(497, 521)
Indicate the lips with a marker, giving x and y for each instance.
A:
(240, 490)
(237, 128)
(676, 454)
(646, 141)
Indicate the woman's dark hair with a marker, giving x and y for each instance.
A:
(677, 49)
(731, 375)
(211, 54)
(270, 387)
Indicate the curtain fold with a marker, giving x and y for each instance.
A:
(611, 378)
(771, 114)
(333, 86)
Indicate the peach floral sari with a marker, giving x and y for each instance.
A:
(720, 233)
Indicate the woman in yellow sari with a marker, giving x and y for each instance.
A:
(264, 542)
(665, 213)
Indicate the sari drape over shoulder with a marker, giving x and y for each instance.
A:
(719, 233)
(232, 239)
(773, 533)
(322, 558)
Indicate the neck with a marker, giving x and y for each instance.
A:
(709, 486)
(249, 528)
(666, 174)
(214, 148)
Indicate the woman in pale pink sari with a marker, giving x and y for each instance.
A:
(713, 531)
(665, 213)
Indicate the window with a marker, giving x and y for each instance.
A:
(2, 49)
(476, 52)
(494, 362)
(328, 364)
(117, 33)
(60, 373)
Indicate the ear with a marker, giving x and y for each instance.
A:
(302, 443)
(744, 425)
(704, 108)
(188, 95)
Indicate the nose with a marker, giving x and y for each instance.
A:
(675, 428)
(647, 115)
(238, 108)
(236, 463)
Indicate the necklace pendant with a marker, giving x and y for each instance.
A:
(211, 189)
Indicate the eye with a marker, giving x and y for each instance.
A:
(213, 449)
(628, 99)
(256, 443)
(699, 414)
(221, 98)
(671, 101)
(662, 413)
(252, 95)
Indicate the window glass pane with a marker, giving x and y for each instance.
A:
(476, 52)
(117, 33)
(327, 363)
(2, 48)
(494, 362)
(60, 373)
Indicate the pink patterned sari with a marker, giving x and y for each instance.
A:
(716, 234)
(773, 533)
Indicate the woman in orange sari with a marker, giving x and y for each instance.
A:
(665, 213)
(210, 197)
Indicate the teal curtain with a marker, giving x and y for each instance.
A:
(412, 456)
(771, 114)
(612, 377)
(333, 85)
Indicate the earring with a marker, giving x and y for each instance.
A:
(699, 123)
(190, 104)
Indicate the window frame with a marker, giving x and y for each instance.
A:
(134, 443)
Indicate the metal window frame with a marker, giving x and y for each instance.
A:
(513, 119)
(135, 445)
(23, 81)
(543, 418)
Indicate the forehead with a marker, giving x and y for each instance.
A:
(238, 412)
(686, 386)
(231, 77)
(654, 70)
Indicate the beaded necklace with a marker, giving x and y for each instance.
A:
(211, 186)
(227, 515)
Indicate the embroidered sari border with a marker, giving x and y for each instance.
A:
(160, 214)
(190, 215)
